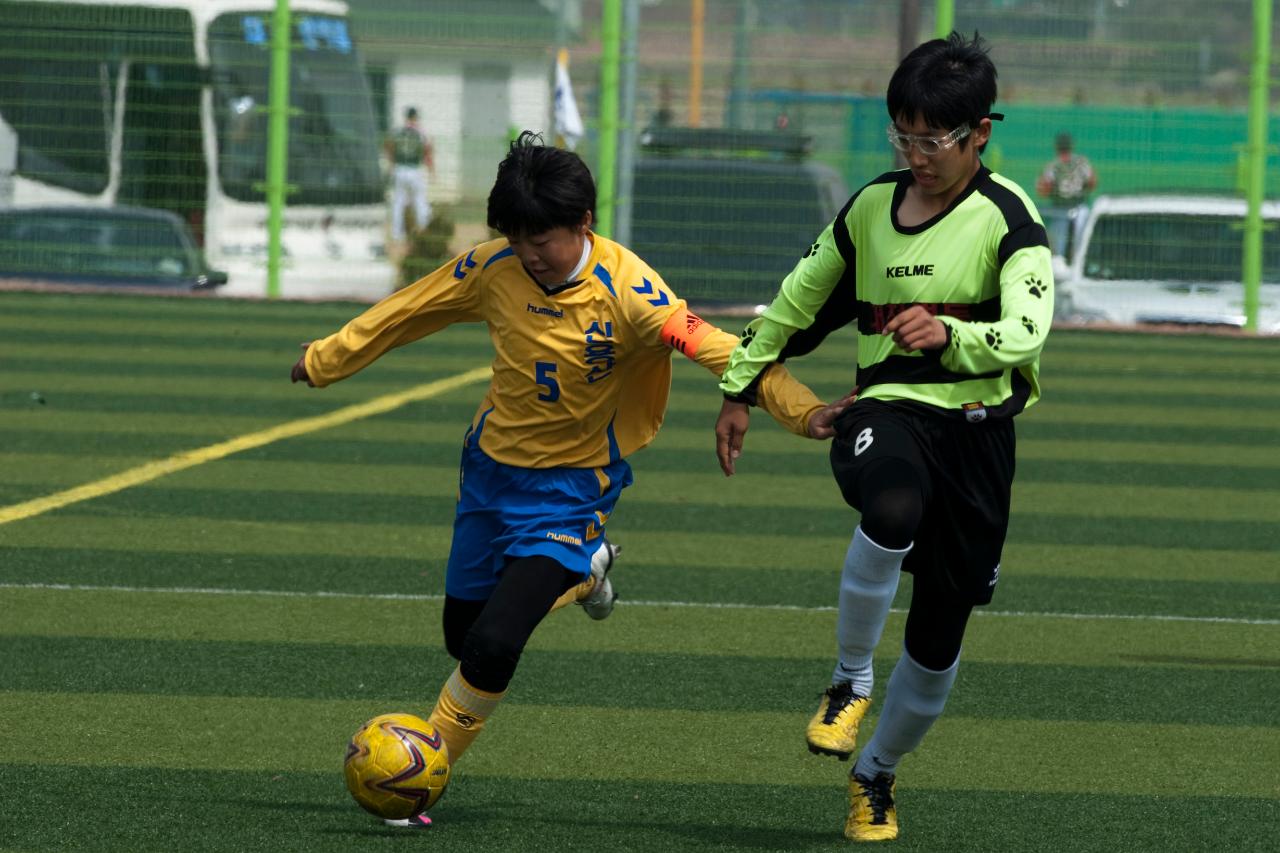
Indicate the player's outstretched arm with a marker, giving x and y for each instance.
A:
(450, 294)
(735, 419)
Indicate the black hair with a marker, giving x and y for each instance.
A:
(947, 82)
(540, 187)
(411, 113)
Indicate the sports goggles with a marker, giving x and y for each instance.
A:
(926, 145)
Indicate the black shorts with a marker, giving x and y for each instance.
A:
(966, 471)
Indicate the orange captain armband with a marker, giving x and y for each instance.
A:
(684, 331)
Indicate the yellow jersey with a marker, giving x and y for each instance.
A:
(581, 373)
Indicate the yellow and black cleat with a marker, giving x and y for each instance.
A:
(834, 729)
(872, 814)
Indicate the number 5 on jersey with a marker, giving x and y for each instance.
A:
(544, 373)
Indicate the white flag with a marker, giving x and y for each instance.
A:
(567, 119)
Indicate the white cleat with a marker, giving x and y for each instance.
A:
(599, 602)
(419, 821)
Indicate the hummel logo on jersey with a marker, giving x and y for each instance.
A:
(542, 309)
(647, 289)
(906, 272)
(812, 250)
(594, 532)
(863, 441)
(469, 262)
(995, 576)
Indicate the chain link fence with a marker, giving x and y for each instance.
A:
(752, 120)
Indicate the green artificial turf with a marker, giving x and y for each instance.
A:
(182, 661)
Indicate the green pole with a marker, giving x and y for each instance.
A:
(946, 18)
(1256, 157)
(610, 62)
(277, 142)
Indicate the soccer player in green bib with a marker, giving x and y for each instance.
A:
(583, 333)
(945, 269)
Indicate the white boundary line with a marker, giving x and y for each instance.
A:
(404, 596)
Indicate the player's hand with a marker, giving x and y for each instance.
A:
(822, 422)
(299, 371)
(916, 329)
(731, 426)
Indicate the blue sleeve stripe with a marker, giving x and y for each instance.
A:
(505, 253)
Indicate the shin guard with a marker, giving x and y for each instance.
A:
(868, 583)
(461, 712)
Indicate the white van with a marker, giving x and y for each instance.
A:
(1146, 259)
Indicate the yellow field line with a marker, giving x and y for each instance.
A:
(191, 458)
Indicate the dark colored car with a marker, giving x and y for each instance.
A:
(728, 229)
(114, 247)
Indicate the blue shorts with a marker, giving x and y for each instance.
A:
(505, 512)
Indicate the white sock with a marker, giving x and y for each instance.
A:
(867, 586)
(913, 701)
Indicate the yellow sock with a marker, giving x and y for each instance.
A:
(460, 713)
(573, 594)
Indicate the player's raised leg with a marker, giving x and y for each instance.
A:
(595, 595)
(880, 475)
(598, 600)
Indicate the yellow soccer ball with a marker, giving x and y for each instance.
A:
(397, 766)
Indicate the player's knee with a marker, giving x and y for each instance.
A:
(935, 652)
(935, 629)
(489, 657)
(890, 518)
(889, 494)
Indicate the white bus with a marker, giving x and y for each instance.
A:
(162, 104)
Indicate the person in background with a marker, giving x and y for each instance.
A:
(409, 151)
(1066, 182)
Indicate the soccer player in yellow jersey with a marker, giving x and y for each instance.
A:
(945, 268)
(583, 332)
